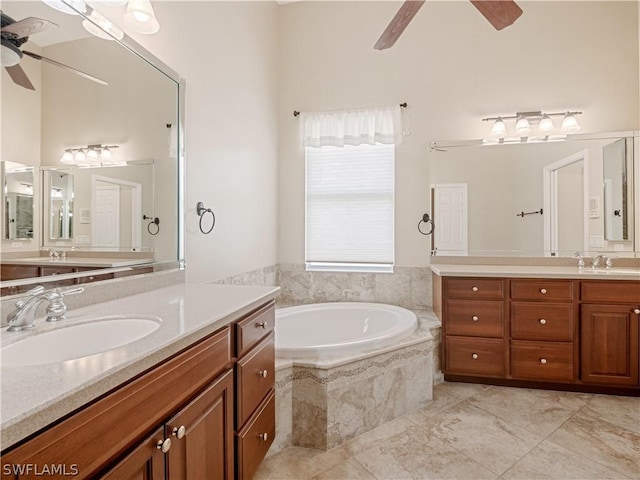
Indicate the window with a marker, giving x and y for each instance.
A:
(350, 208)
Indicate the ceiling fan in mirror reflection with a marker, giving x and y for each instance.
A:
(13, 34)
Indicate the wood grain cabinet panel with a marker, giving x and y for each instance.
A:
(609, 344)
(254, 328)
(543, 290)
(145, 462)
(542, 321)
(481, 318)
(611, 291)
(542, 361)
(255, 438)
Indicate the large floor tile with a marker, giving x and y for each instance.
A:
(603, 442)
(416, 454)
(537, 411)
(298, 463)
(442, 400)
(349, 470)
(461, 390)
(621, 411)
(481, 436)
(549, 461)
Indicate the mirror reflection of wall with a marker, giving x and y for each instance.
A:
(60, 205)
(18, 201)
(563, 178)
(615, 190)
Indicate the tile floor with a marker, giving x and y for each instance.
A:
(484, 432)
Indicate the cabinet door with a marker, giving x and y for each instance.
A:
(202, 435)
(609, 344)
(145, 462)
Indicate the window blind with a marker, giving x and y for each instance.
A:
(350, 205)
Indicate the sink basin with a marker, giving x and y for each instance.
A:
(77, 341)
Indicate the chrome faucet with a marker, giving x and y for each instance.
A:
(580, 257)
(595, 262)
(23, 316)
(57, 254)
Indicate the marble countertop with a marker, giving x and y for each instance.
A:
(34, 396)
(533, 271)
(97, 262)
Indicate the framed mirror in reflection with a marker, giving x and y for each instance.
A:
(18, 182)
(550, 198)
(90, 200)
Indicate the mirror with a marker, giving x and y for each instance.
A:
(89, 203)
(18, 200)
(548, 198)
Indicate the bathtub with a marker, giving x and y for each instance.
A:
(340, 328)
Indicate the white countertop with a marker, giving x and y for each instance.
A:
(34, 396)
(97, 262)
(532, 271)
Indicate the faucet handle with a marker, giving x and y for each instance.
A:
(70, 291)
(580, 256)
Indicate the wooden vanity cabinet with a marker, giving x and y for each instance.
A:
(609, 336)
(553, 333)
(178, 420)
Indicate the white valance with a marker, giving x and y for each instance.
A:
(351, 127)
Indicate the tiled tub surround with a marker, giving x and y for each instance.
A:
(408, 287)
(35, 396)
(323, 406)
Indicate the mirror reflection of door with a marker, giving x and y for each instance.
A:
(450, 218)
(615, 191)
(117, 210)
(566, 204)
(18, 201)
(61, 206)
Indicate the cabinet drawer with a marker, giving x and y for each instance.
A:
(542, 321)
(254, 440)
(549, 290)
(255, 377)
(544, 361)
(478, 288)
(479, 318)
(610, 292)
(254, 328)
(474, 356)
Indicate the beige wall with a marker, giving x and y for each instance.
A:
(453, 69)
(226, 51)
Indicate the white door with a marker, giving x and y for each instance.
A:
(450, 215)
(106, 221)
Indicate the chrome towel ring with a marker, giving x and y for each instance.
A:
(201, 210)
(428, 221)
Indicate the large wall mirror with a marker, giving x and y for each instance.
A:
(103, 153)
(550, 198)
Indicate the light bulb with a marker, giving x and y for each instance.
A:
(67, 157)
(11, 54)
(79, 156)
(499, 129)
(92, 155)
(522, 127)
(140, 17)
(105, 154)
(546, 124)
(569, 123)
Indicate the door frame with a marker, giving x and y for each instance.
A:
(136, 205)
(465, 218)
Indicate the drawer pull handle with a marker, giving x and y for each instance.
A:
(543, 361)
(474, 288)
(263, 436)
(262, 325)
(263, 373)
(542, 321)
(475, 318)
(178, 432)
(474, 356)
(636, 311)
(164, 445)
(543, 290)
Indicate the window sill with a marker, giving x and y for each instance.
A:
(349, 267)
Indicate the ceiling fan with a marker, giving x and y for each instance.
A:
(13, 34)
(499, 13)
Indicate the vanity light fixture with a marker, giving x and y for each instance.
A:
(140, 17)
(526, 121)
(89, 155)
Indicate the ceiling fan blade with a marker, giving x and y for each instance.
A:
(28, 26)
(18, 75)
(398, 24)
(66, 67)
(500, 13)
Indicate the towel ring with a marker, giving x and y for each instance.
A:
(154, 221)
(426, 220)
(201, 210)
